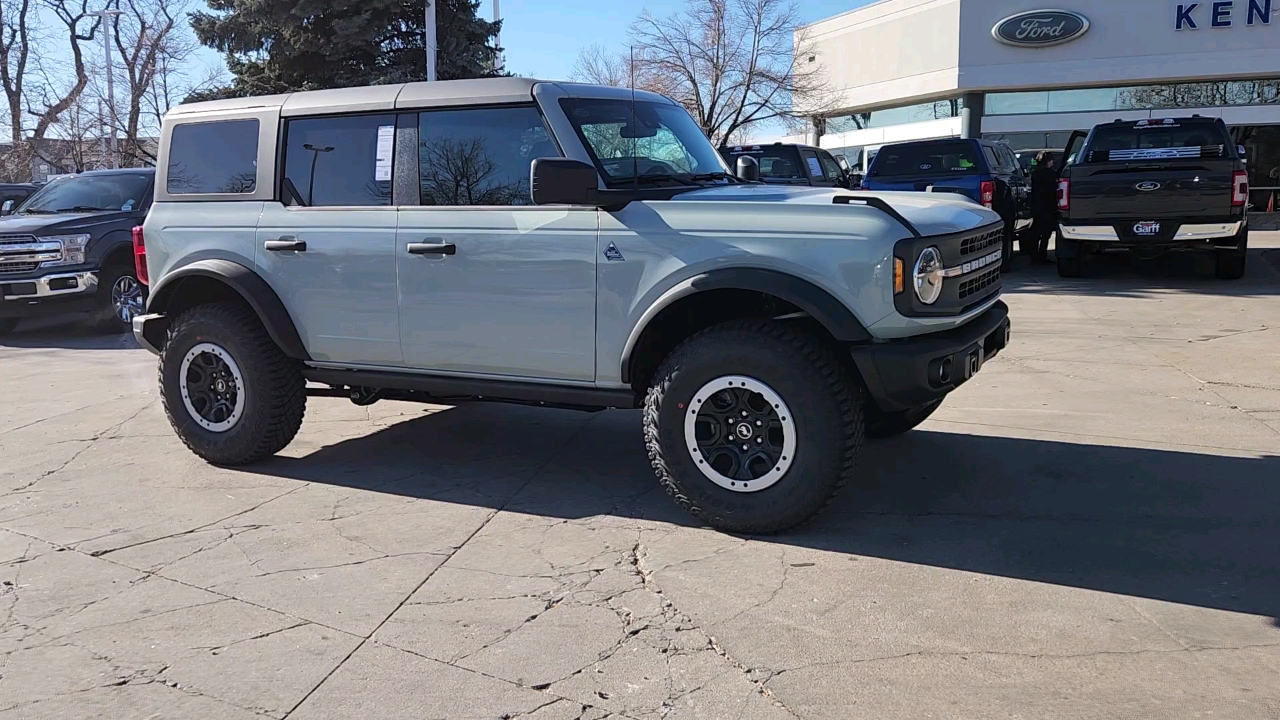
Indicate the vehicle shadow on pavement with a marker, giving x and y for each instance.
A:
(72, 333)
(1182, 527)
(1119, 274)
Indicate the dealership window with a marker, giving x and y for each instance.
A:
(1138, 97)
(922, 112)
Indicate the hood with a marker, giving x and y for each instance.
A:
(58, 224)
(931, 213)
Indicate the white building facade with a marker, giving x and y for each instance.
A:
(1031, 71)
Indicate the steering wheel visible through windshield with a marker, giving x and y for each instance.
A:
(90, 193)
(644, 142)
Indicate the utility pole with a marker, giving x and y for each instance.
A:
(431, 40)
(105, 14)
(497, 39)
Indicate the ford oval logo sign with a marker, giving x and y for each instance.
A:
(1040, 28)
(1148, 186)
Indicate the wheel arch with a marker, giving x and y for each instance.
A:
(727, 294)
(214, 280)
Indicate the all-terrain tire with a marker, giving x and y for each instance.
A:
(825, 400)
(104, 316)
(1230, 264)
(886, 425)
(274, 389)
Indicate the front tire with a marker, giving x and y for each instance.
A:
(121, 298)
(230, 393)
(792, 404)
(887, 425)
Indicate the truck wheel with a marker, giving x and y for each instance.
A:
(1006, 264)
(7, 325)
(121, 298)
(230, 393)
(886, 425)
(1230, 263)
(1070, 256)
(753, 426)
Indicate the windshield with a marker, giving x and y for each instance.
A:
(926, 159)
(89, 193)
(657, 142)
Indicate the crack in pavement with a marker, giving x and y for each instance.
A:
(91, 442)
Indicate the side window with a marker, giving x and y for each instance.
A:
(811, 163)
(830, 167)
(1007, 160)
(214, 157)
(332, 161)
(480, 156)
(993, 162)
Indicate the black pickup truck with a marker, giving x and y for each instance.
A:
(1155, 185)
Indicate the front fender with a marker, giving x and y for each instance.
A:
(255, 291)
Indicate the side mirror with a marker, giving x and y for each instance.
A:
(7, 208)
(561, 181)
(1242, 151)
(747, 169)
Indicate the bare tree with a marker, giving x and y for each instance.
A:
(53, 98)
(598, 66)
(730, 63)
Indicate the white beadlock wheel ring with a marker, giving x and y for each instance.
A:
(231, 368)
(777, 407)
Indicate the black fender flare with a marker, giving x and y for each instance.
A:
(248, 285)
(815, 301)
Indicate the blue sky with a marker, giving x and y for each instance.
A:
(543, 38)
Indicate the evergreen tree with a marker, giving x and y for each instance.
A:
(283, 45)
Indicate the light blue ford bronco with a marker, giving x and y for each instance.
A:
(554, 244)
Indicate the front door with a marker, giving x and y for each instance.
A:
(328, 249)
(489, 284)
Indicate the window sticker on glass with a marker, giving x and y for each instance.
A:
(386, 146)
(815, 169)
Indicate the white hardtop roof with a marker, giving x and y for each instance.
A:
(372, 98)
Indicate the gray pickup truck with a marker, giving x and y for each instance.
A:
(561, 245)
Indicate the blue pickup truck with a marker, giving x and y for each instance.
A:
(983, 171)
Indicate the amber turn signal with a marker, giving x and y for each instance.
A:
(899, 276)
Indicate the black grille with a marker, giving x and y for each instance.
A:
(20, 267)
(972, 287)
(978, 243)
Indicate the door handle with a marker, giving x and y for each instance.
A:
(432, 248)
(286, 243)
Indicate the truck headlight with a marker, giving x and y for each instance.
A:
(927, 276)
(73, 247)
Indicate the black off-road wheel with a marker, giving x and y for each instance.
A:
(1230, 264)
(886, 425)
(753, 426)
(121, 298)
(230, 393)
(8, 325)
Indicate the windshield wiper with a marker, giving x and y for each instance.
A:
(37, 211)
(82, 208)
(652, 178)
(712, 176)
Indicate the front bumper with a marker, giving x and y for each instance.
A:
(908, 373)
(49, 294)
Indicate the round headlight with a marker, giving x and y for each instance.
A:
(928, 276)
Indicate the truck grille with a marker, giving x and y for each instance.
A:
(978, 243)
(24, 253)
(973, 286)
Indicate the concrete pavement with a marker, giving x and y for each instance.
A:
(1088, 529)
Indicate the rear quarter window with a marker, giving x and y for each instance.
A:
(219, 157)
(947, 158)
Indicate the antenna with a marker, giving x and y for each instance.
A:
(635, 142)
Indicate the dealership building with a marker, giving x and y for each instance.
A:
(1030, 72)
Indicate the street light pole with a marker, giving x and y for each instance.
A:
(497, 39)
(111, 90)
(430, 40)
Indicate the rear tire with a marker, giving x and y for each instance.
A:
(1006, 264)
(886, 425)
(1230, 264)
(1070, 256)
(230, 393)
(778, 379)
